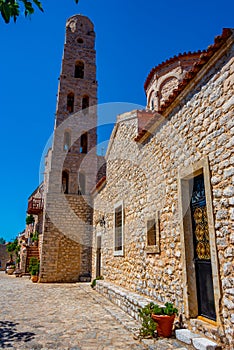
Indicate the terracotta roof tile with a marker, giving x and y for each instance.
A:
(205, 55)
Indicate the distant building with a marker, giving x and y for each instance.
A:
(4, 256)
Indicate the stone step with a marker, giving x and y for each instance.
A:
(198, 341)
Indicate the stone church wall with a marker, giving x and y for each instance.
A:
(146, 178)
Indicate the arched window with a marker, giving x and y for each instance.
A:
(85, 102)
(70, 102)
(81, 184)
(84, 143)
(79, 70)
(67, 141)
(65, 181)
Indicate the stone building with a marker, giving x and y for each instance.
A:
(164, 212)
(157, 221)
(72, 163)
(31, 239)
(4, 256)
(65, 215)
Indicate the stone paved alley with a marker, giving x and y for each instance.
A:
(65, 316)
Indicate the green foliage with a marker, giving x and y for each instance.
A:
(94, 282)
(12, 8)
(148, 326)
(2, 240)
(168, 309)
(29, 219)
(13, 246)
(35, 236)
(34, 266)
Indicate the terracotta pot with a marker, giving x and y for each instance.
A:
(164, 324)
(34, 279)
(10, 270)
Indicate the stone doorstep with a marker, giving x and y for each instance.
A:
(130, 302)
(199, 342)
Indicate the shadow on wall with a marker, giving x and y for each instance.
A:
(9, 334)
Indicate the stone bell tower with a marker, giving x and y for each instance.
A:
(72, 162)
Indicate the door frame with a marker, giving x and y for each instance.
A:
(98, 255)
(189, 276)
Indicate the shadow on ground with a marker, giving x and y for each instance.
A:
(10, 334)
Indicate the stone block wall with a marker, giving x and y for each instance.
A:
(4, 256)
(66, 245)
(146, 178)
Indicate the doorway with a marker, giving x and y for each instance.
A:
(201, 244)
(98, 256)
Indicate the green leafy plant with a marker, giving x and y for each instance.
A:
(13, 247)
(2, 240)
(35, 236)
(168, 309)
(148, 326)
(94, 282)
(34, 266)
(30, 219)
(12, 8)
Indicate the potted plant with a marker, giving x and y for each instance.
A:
(10, 269)
(164, 317)
(34, 268)
(35, 238)
(155, 317)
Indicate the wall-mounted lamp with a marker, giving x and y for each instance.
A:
(101, 221)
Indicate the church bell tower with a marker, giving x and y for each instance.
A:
(72, 162)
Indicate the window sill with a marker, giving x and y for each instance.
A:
(119, 253)
(154, 249)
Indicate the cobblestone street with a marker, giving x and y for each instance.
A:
(65, 316)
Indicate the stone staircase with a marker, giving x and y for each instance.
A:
(130, 303)
(32, 252)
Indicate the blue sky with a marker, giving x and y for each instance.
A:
(131, 38)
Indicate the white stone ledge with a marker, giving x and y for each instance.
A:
(185, 335)
(204, 344)
(128, 301)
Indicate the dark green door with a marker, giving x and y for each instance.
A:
(205, 290)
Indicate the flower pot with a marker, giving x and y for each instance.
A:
(10, 270)
(164, 324)
(34, 278)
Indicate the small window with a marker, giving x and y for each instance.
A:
(67, 141)
(152, 104)
(79, 70)
(118, 230)
(151, 233)
(70, 102)
(84, 143)
(80, 41)
(65, 181)
(81, 184)
(85, 102)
